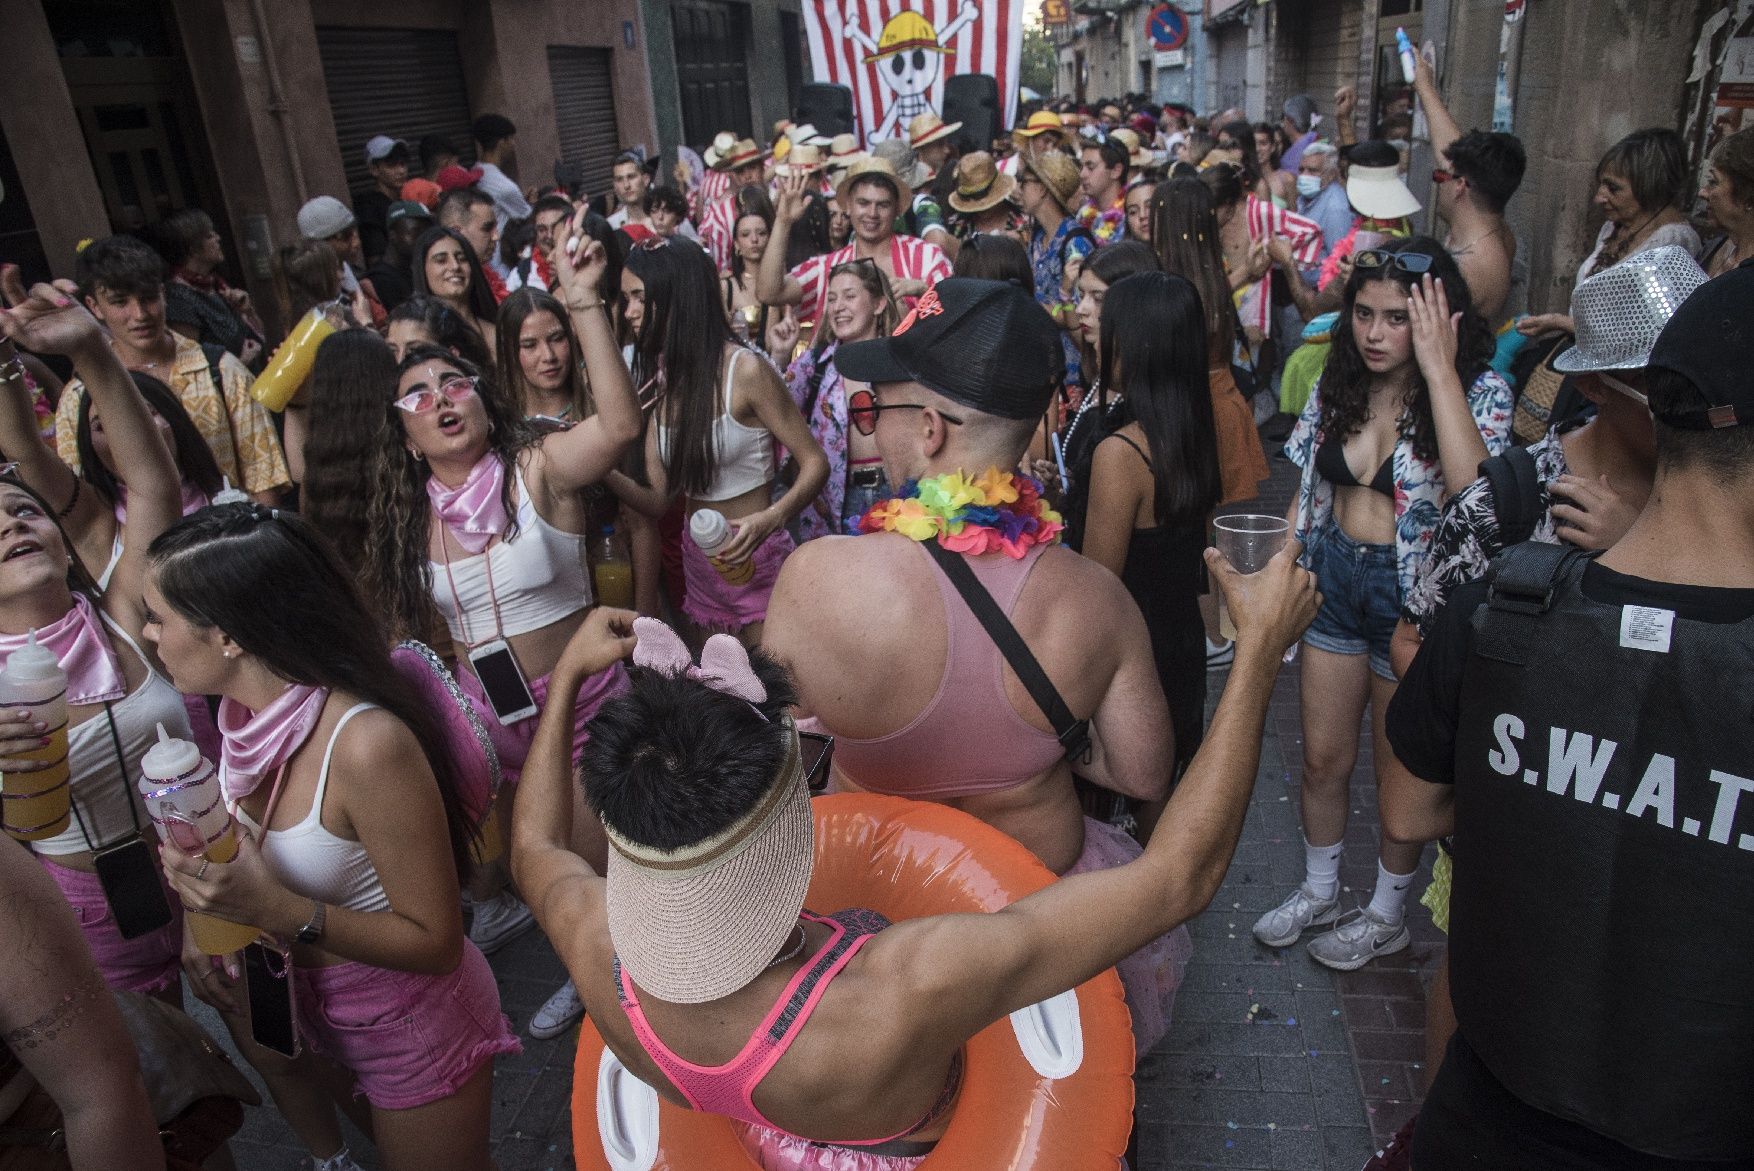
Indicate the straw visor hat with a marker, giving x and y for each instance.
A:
(697, 923)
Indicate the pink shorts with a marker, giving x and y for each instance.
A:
(409, 1039)
(1151, 975)
(774, 1151)
(513, 743)
(714, 603)
(148, 964)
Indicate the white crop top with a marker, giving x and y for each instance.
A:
(742, 455)
(104, 787)
(315, 863)
(539, 577)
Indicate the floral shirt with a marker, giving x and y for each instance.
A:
(1047, 261)
(827, 417)
(1418, 482)
(1467, 537)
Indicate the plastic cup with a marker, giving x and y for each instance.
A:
(1248, 541)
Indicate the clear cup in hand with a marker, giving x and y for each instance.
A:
(1248, 541)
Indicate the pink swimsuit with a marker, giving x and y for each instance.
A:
(729, 1089)
(969, 738)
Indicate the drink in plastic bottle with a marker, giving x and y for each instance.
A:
(36, 803)
(611, 571)
(712, 532)
(182, 793)
(291, 363)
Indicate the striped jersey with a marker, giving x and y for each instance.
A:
(910, 258)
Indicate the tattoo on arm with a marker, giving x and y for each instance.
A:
(56, 1020)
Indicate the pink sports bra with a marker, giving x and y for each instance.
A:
(729, 1089)
(968, 739)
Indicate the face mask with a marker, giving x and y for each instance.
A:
(1309, 186)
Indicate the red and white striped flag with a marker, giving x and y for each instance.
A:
(895, 54)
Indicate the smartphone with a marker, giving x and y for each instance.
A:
(271, 991)
(503, 681)
(133, 889)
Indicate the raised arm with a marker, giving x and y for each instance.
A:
(560, 886)
(50, 319)
(20, 440)
(583, 455)
(978, 968)
(772, 284)
(1460, 447)
(1443, 125)
(61, 1022)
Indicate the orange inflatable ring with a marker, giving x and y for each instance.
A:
(1051, 1088)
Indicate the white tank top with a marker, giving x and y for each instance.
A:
(538, 578)
(315, 863)
(742, 455)
(106, 799)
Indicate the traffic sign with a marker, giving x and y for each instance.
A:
(1167, 27)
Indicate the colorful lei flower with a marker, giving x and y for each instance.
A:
(993, 512)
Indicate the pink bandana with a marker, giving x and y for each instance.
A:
(256, 743)
(194, 500)
(475, 511)
(78, 642)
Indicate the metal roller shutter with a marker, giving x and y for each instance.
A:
(395, 81)
(584, 111)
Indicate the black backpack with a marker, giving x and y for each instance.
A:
(1516, 494)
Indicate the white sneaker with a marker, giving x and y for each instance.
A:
(558, 1013)
(1358, 940)
(1283, 924)
(342, 1160)
(498, 921)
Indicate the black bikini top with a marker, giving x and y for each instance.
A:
(1331, 465)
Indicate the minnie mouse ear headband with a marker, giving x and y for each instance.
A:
(697, 923)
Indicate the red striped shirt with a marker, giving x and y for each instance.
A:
(1265, 221)
(910, 258)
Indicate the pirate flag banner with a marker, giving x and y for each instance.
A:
(895, 54)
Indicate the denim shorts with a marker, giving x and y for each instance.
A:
(1361, 600)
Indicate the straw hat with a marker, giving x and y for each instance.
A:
(695, 924)
(844, 151)
(805, 159)
(1058, 173)
(1137, 155)
(873, 165)
(806, 135)
(742, 153)
(979, 185)
(1620, 310)
(1041, 122)
(928, 127)
(723, 141)
(903, 161)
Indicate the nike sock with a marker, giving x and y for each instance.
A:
(1213, 648)
(1389, 903)
(1321, 868)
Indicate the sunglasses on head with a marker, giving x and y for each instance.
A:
(1411, 263)
(863, 409)
(453, 389)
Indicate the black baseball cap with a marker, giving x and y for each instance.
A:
(1708, 341)
(985, 344)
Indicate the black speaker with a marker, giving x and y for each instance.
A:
(827, 107)
(973, 100)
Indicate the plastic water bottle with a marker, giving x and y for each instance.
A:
(611, 571)
(36, 803)
(1404, 47)
(229, 493)
(712, 532)
(183, 798)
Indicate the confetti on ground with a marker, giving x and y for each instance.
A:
(1385, 1081)
(1231, 1125)
(1272, 1126)
(1291, 1022)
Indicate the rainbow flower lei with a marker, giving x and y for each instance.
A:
(993, 512)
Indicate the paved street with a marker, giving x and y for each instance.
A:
(1273, 1060)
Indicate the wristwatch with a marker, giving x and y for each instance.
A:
(312, 931)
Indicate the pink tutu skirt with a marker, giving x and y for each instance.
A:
(1151, 975)
(715, 604)
(776, 1151)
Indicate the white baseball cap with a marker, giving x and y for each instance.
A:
(382, 146)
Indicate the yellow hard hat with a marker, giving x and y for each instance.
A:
(904, 31)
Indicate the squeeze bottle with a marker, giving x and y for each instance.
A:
(712, 532)
(183, 798)
(36, 803)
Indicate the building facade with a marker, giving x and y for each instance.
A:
(724, 65)
(1105, 50)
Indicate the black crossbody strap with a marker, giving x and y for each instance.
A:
(1073, 733)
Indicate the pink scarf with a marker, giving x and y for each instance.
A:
(194, 500)
(474, 511)
(78, 642)
(256, 743)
